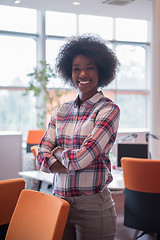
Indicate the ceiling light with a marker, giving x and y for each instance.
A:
(76, 3)
(117, 2)
(17, 1)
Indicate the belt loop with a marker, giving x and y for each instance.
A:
(103, 194)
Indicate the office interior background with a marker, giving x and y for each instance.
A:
(34, 31)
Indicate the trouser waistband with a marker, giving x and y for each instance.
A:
(104, 195)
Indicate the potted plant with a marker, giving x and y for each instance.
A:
(39, 79)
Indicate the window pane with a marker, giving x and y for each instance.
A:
(18, 19)
(109, 94)
(60, 24)
(52, 49)
(133, 110)
(17, 112)
(131, 30)
(132, 70)
(102, 26)
(17, 58)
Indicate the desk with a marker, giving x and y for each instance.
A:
(47, 179)
(38, 175)
(118, 181)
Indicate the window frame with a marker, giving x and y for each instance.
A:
(113, 42)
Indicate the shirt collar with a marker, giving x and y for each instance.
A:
(91, 101)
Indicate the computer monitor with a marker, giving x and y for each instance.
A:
(136, 150)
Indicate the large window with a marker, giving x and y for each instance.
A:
(18, 19)
(132, 73)
(131, 30)
(102, 26)
(60, 24)
(17, 112)
(17, 58)
(18, 48)
(132, 88)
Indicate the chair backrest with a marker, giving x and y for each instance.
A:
(34, 150)
(9, 192)
(141, 174)
(34, 137)
(142, 193)
(38, 216)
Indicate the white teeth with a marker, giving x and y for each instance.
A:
(83, 82)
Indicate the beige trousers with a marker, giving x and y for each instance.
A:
(91, 217)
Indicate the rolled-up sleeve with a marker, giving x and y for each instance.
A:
(44, 157)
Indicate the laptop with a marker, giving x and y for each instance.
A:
(136, 150)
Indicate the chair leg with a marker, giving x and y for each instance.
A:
(158, 236)
(39, 185)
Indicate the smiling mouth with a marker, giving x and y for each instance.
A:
(83, 82)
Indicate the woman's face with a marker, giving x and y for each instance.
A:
(85, 76)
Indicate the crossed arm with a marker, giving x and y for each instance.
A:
(57, 166)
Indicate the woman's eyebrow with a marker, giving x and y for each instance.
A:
(77, 64)
(92, 63)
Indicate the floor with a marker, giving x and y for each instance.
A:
(123, 233)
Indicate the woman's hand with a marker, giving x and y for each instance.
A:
(57, 153)
(58, 167)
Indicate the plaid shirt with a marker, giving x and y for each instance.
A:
(87, 134)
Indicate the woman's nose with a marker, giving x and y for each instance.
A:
(82, 73)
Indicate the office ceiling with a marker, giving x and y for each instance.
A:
(140, 9)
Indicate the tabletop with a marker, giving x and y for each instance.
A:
(116, 184)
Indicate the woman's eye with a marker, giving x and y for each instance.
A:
(75, 69)
(90, 68)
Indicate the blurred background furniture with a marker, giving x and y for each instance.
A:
(29, 156)
(34, 137)
(34, 150)
(38, 216)
(47, 180)
(47, 188)
(11, 154)
(142, 194)
(126, 139)
(9, 192)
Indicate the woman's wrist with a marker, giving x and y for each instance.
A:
(56, 152)
(57, 167)
(55, 149)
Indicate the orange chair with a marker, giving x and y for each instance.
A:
(34, 137)
(142, 194)
(38, 216)
(9, 193)
(34, 150)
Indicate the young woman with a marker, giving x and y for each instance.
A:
(79, 137)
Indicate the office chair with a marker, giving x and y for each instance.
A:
(9, 192)
(142, 194)
(34, 150)
(34, 137)
(38, 216)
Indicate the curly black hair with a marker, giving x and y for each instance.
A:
(91, 46)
